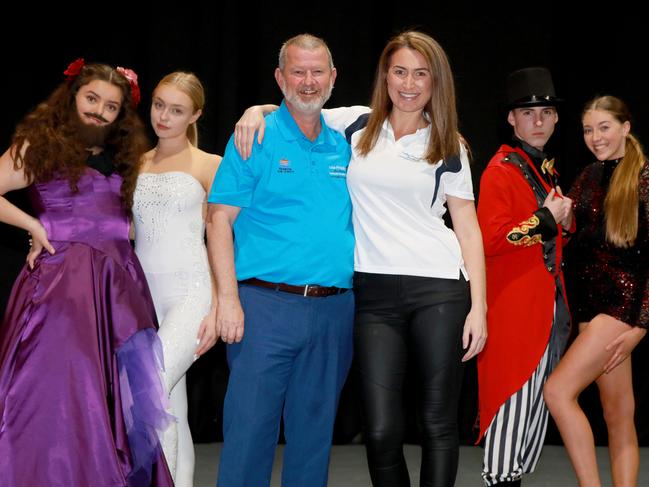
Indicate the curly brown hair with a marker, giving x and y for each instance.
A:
(53, 148)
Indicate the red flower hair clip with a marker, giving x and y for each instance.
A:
(130, 75)
(74, 68)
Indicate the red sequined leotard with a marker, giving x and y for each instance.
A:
(608, 279)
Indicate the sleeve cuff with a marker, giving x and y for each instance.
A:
(547, 225)
(537, 229)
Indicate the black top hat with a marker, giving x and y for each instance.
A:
(530, 87)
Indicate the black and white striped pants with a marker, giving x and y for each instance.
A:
(514, 439)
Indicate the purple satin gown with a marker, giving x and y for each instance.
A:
(80, 392)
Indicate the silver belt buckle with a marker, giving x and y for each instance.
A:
(306, 290)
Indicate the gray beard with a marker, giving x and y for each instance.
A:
(313, 106)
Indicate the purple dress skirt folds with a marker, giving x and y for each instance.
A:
(80, 390)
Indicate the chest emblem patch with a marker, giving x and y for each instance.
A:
(284, 166)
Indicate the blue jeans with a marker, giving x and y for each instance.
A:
(293, 359)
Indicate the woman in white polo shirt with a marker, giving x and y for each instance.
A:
(413, 302)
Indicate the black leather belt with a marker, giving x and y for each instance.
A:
(310, 290)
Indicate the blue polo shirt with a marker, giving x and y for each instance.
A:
(295, 220)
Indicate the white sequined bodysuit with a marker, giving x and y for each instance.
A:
(169, 241)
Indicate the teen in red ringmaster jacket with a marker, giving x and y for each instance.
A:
(523, 217)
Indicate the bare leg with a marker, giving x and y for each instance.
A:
(582, 365)
(616, 393)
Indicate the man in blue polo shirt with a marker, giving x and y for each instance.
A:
(289, 271)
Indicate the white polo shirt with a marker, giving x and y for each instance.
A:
(398, 202)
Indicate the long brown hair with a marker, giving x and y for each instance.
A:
(53, 148)
(440, 109)
(190, 85)
(622, 199)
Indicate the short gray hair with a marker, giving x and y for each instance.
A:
(304, 41)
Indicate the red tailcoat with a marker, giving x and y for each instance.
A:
(520, 286)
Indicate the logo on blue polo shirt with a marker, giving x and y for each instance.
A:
(336, 171)
(284, 166)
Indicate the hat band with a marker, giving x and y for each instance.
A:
(535, 98)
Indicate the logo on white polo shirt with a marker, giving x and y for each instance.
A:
(284, 166)
(410, 157)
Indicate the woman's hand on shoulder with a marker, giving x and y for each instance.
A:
(250, 122)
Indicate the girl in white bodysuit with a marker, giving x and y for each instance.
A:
(169, 215)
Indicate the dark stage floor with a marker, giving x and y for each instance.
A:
(348, 468)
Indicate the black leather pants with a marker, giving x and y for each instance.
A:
(418, 319)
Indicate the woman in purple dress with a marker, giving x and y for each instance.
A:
(610, 300)
(80, 391)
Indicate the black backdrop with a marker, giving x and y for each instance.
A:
(232, 46)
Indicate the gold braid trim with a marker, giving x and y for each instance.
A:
(521, 235)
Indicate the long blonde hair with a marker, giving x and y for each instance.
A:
(622, 199)
(189, 84)
(440, 109)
